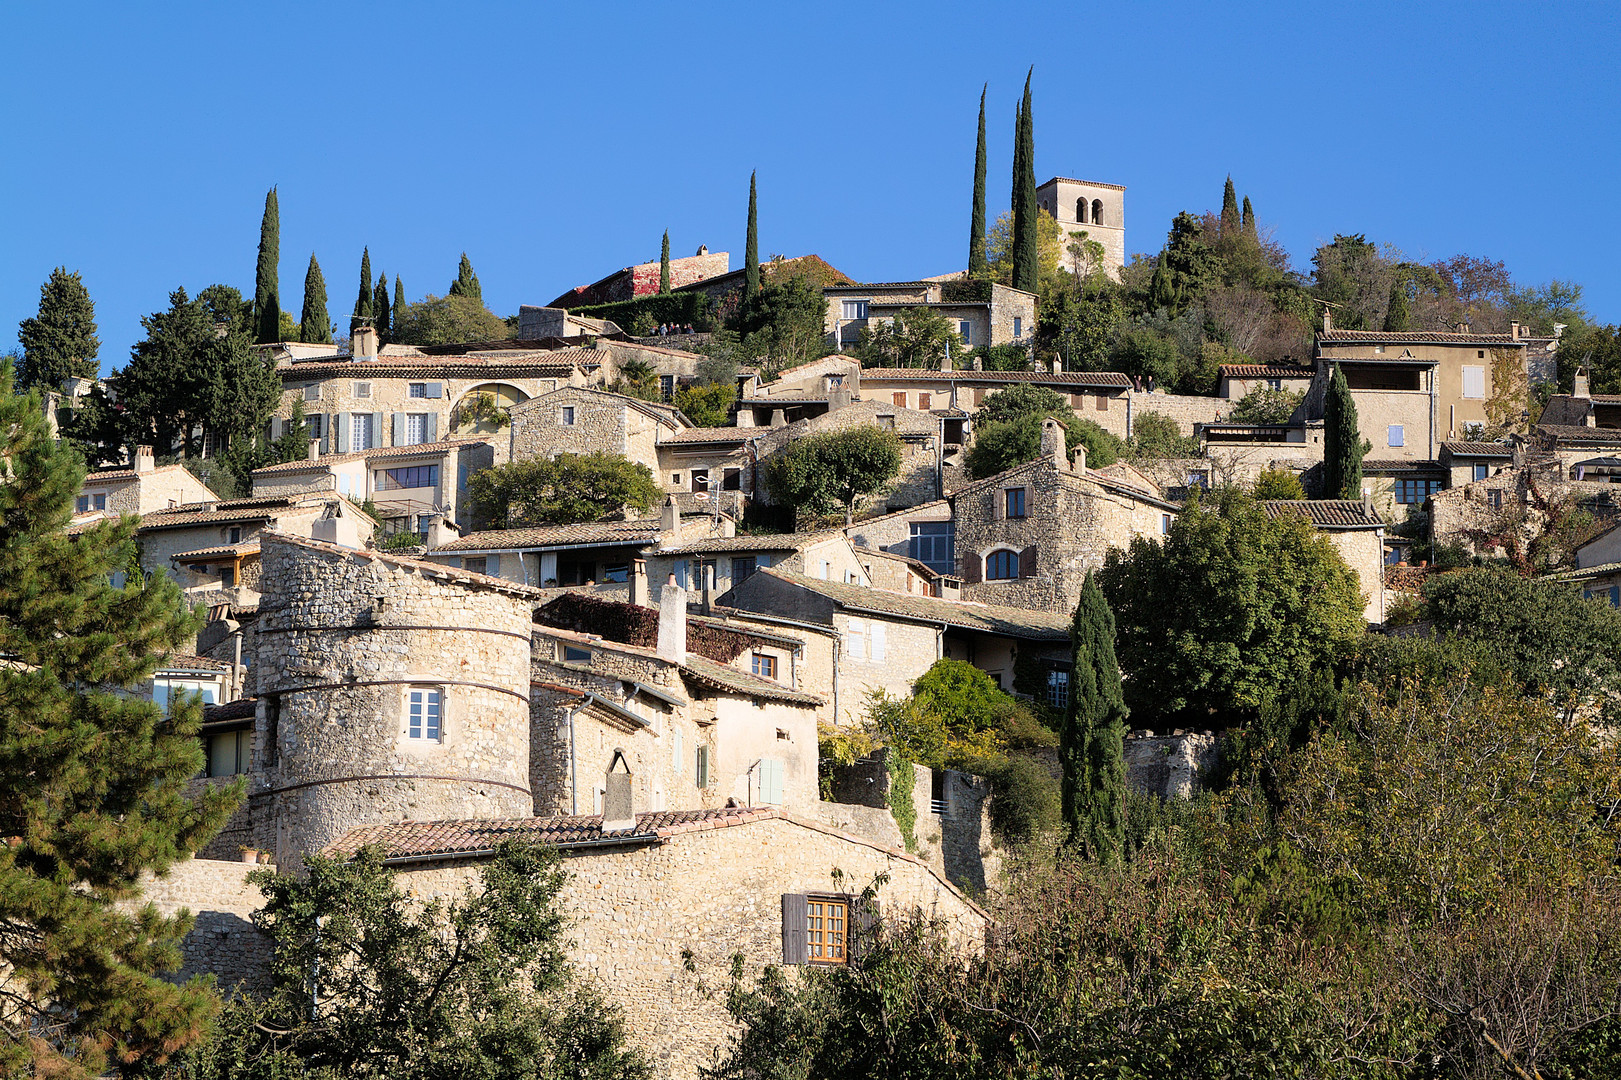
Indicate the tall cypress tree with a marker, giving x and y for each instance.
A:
(1397, 315)
(61, 340)
(1026, 245)
(664, 264)
(1230, 219)
(266, 287)
(380, 312)
(1342, 442)
(751, 248)
(314, 325)
(466, 283)
(399, 302)
(977, 265)
(363, 312)
(1248, 218)
(1162, 286)
(95, 781)
(1092, 742)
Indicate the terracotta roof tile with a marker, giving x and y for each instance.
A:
(431, 569)
(1572, 434)
(1069, 378)
(1325, 513)
(249, 548)
(429, 839)
(559, 363)
(747, 542)
(1478, 449)
(639, 531)
(1400, 465)
(714, 435)
(1399, 337)
(1267, 371)
(965, 614)
(188, 662)
(242, 708)
(433, 449)
(714, 674)
(110, 475)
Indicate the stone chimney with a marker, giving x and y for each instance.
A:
(638, 583)
(1079, 465)
(1328, 319)
(670, 518)
(1514, 330)
(979, 364)
(337, 526)
(1582, 387)
(1052, 443)
(948, 587)
(945, 361)
(440, 531)
(144, 461)
(363, 344)
(836, 400)
(673, 622)
(315, 449)
(618, 809)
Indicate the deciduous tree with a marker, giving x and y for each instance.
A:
(441, 320)
(834, 470)
(60, 341)
(563, 490)
(916, 337)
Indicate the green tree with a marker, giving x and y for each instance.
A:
(294, 442)
(1343, 445)
(977, 265)
(95, 780)
(315, 326)
(1278, 483)
(1155, 435)
(266, 278)
(1248, 219)
(1230, 218)
(563, 491)
(60, 341)
(466, 283)
(363, 313)
(1230, 609)
(1026, 242)
(397, 307)
(708, 404)
(1397, 314)
(443, 320)
(1080, 328)
(916, 337)
(1263, 405)
(1091, 744)
(834, 469)
(1007, 431)
(1352, 276)
(1162, 286)
(784, 323)
(164, 388)
(380, 311)
(751, 249)
(664, 264)
(1050, 241)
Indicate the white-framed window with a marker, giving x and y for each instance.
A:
(423, 709)
(1058, 689)
(1018, 327)
(573, 654)
(416, 428)
(864, 640)
(1378, 348)
(361, 436)
(312, 392)
(1395, 436)
(965, 330)
(1474, 381)
(854, 309)
(97, 501)
(1274, 384)
(362, 389)
(418, 389)
(566, 416)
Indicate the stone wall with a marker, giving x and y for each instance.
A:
(1186, 409)
(155, 489)
(1170, 766)
(224, 941)
(1008, 305)
(892, 532)
(603, 423)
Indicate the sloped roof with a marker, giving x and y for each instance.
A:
(317, 464)
(1088, 183)
(438, 571)
(1401, 337)
(713, 435)
(1325, 513)
(423, 839)
(757, 542)
(553, 363)
(1573, 434)
(1266, 371)
(719, 676)
(232, 550)
(1112, 379)
(664, 414)
(108, 476)
(1117, 485)
(189, 662)
(240, 709)
(637, 531)
(964, 614)
(1400, 465)
(1478, 449)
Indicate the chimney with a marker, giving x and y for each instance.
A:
(979, 365)
(315, 449)
(1582, 386)
(618, 811)
(778, 419)
(1080, 460)
(670, 518)
(1514, 330)
(363, 344)
(1328, 319)
(948, 587)
(1367, 504)
(1052, 443)
(440, 531)
(638, 583)
(672, 644)
(144, 462)
(337, 526)
(945, 361)
(1463, 328)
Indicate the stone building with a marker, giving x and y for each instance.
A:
(982, 312)
(1356, 532)
(1103, 396)
(1466, 462)
(1094, 210)
(1236, 380)
(1027, 537)
(919, 430)
(800, 392)
(709, 567)
(411, 485)
(589, 420)
(142, 488)
(924, 532)
(644, 279)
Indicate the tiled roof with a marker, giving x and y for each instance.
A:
(729, 679)
(1478, 449)
(240, 709)
(1401, 337)
(965, 614)
(1325, 513)
(107, 476)
(1088, 183)
(422, 566)
(1101, 477)
(1068, 378)
(1266, 371)
(182, 518)
(426, 839)
(1607, 399)
(249, 548)
(1602, 570)
(1400, 465)
(559, 363)
(664, 414)
(1572, 434)
(713, 435)
(762, 542)
(639, 531)
(433, 449)
(188, 662)
(862, 285)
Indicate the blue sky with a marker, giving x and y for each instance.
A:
(556, 146)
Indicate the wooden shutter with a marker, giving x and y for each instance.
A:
(340, 433)
(875, 641)
(865, 923)
(399, 429)
(972, 567)
(770, 780)
(431, 434)
(795, 919)
(435, 389)
(376, 431)
(1027, 562)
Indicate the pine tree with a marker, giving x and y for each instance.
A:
(380, 312)
(1026, 258)
(466, 283)
(1397, 315)
(363, 312)
(1092, 742)
(751, 248)
(95, 781)
(664, 264)
(1342, 442)
(266, 287)
(1162, 286)
(60, 342)
(977, 265)
(314, 325)
(1230, 219)
(1248, 218)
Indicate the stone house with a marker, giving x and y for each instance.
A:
(1233, 381)
(800, 392)
(919, 479)
(1516, 504)
(709, 567)
(142, 488)
(587, 420)
(644, 279)
(1103, 396)
(1356, 532)
(1598, 566)
(1027, 537)
(903, 574)
(924, 532)
(1087, 208)
(1466, 462)
(982, 312)
(410, 484)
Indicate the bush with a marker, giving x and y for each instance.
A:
(1263, 406)
(1155, 435)
(645, 313)
(1279, 483)
(1024, 800)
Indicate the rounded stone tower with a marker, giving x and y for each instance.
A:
(390, 689)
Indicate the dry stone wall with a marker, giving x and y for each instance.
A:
(223, 942)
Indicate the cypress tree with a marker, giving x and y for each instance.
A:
(1230, 219)
(466, 283)
(1092, 742)
(751, 248)
(61, 340)
(363, 312)
(1397, 315)
(314, 325)
(1342, 442)
(1026, 245)
(1248, 218)
(977, 266)
(266, 287)
(664, 264)
(399, 304)
(95, 780)
(1162, 287)
(379, 310)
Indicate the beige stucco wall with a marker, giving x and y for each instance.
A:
(909, 651)
(1378, 410)
(1453, 411)
(160, 489)
(1364, 551)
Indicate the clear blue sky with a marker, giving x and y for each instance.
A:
(554, 143)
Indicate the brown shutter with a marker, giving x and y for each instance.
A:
(972, 567)
(1027, 562)
(864, 925)
(795, 927)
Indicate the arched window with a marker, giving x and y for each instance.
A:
(1001, 565)
(1080, 211)
(1097, 211)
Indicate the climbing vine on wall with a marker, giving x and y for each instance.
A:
(902, 779)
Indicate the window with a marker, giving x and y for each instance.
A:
(1480, 354)
(575, 655)
(965, 330)
(422, 715)
(1165, 524)
(98, 501)
(616, 572)
(475, 564)
(1058, 689)
(312, 392)
(1015, 502)
(1378, 348)
(854, 309)
(317, 424)
(1494, 499)
(731, 480)
(700, 759)
(1080, 211)
(416, 428)
(667, 386)
(227, 577)
(1001, 565)
(418, 389)
(768, 774)
(1199, 478)
(1474, 381)
(409, 476)
(675, 478)
(1274, 384)
(233, 535)
(743, 568)
(887, 421)
(899, 399)
(700, 479)
(1018, 327)
(1097, 211)
(363, 389)
(84, 504)
(924, 401)
(1415, 491)
(228, 752)
(931, 545)
(764, 665)
(1395, 436)
(827, 929)
(864, 640)
(360, 433)
(1481, 471)
(567, 418)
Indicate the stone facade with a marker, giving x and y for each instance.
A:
(644, 279)
(142, 489)
(234, 525)
(1087, 207)
(1103, 396)
(406, 483)
(1188, 410)
(998, 315)
(581, 420)
(1171, 766)
(223, 942)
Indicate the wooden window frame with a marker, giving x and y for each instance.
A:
(827, 930)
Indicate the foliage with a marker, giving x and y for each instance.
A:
(1026, 270)
(266, 285)
(1232, 606)
(1279, 483)
(1155, 435)
(977, 265)
(783, 322)
(563, 490)
(481, 407)
(838, 747)
(95, 778)
(679, 308)
(1343, 445)
(294, 442)
(1081, 328)
(1025, 799)
(664, 264)
(902, 782)
(1000, 445)
(60, 341)
(1049, 250)
(1091, 745)
(466, 283)
(707, 405)
(381, 315)
(916, 337)
(362, 313)
(314, 325)
(1266, 406)
(1354, 279)
(443, 320)
(834, 470)
(751, 247)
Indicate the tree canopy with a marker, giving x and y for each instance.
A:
(60, 341)
(266, 280)
(466, 283)
(445, 320)
(315, 325)
(563, 490)
(834, 470)
(916, 337)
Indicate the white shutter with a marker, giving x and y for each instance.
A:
(435, 390)
(877, 640)
(770, 774)
(1474, 381)
(432, 434)
(401, 438)
(855, 640)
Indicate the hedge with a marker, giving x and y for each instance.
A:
(679, 307)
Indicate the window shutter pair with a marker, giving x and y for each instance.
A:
(999, 504)
(770, 780)
(1027, 562)
(876, 640)
(861, 931)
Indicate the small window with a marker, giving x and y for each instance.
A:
(701, 767)
(667, 386)
(1395, 436)
(827, 929)
(422, 715)
(312, 392)
(1481, 471)
(1165, 524)
(99, 501)
(1494, 499)
(227, 577)
(1058, 689)
(675, 479)
(924, 401)
(1097, 211)
(887, 422)
(731, 480)
(1480, 354)
(1018, 327)
(618, 573)
(233, 535)
(1274, 384)
(416, 428)
(965, 330)
(360, 432)
(1015, 502)
(228, 752)
(567, 418)
(362, 389)
(1414, 492)
(854, 309)
(475, 564)
(575, 655)
(1378, 348)
(1001, 565)
(84, 504)
(938, 803)
(743, 568)
(419, 389)
(764, 665)
(1199, 478)
(700, 479)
